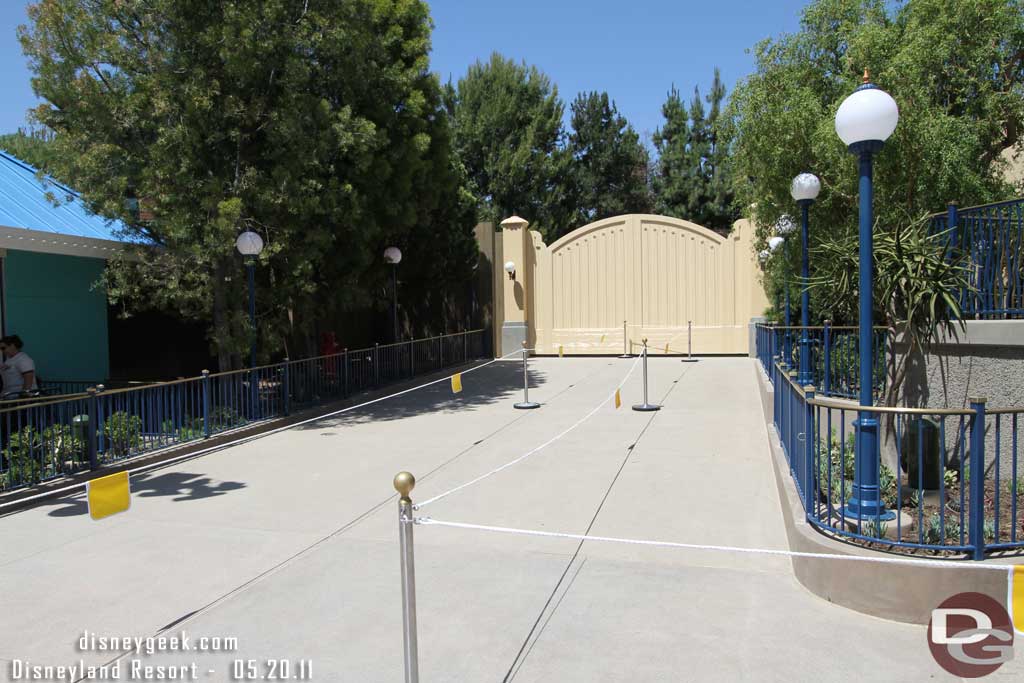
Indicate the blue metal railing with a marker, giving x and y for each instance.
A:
(992, 238)
(834, 352)
(953, 476)
(54, 436)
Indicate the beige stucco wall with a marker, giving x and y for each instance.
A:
(654, 273)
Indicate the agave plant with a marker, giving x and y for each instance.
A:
(918, 279)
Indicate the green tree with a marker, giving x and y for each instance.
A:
(507, 128)
(608, 169)
(671, 189)
(692, 178)
(954, 67)
(318, 125)
(720, 208)
(31, 146)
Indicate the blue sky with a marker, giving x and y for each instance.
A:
(633, 50)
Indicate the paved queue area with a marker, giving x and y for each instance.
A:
(279, 557)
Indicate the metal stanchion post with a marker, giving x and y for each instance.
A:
(689, 343)
(625, 342)
(646, 406)
(526, 403)
(404, 483)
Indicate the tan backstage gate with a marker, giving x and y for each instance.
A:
(655, 273)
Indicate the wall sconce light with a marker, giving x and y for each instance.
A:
(510, 268)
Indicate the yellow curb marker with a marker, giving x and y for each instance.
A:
(618, 400)
(560, 350)
(108, 495)
(1015, 598)
(457, 383)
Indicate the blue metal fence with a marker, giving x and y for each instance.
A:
(952, 476)
(992, 238)
(55, 436)
(835, 356)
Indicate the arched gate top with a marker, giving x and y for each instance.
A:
(636, 222)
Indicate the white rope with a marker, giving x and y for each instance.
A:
(247, 439)
(427, 521)
(535, 450)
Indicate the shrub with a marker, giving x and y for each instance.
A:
(933, 531)
(23, 457)
(123, 432)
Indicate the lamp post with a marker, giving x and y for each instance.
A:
(864, 121)
(249, 245)
(805, 189)
(393, 256)
(774, 244)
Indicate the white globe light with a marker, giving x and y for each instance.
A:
(763, 255)
(868, 114)
(785, 225)
(249, 243)
(393, 255)
(805, 187)
(510, 267)
(775, 242)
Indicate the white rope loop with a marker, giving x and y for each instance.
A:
(536, 449)
(946, 564)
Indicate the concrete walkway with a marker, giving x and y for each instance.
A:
(288, 544)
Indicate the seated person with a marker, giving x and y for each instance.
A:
(17, 369)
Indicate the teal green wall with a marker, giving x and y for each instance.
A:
(53, 306)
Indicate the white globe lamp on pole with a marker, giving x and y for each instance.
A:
(864, 121)
(393, 256)
(804, 189)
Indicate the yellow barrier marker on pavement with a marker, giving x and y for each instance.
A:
(560, 351)
(602, 338)
(108, 495)
(457, 383)
(618, 400)
(666, 349)
(1015, 598)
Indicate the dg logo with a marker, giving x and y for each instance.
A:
(970, 635)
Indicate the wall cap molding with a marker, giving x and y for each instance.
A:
(1002, 333)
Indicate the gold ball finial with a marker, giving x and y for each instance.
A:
(867, 75)
(404, 483)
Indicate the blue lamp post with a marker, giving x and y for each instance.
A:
(864, 121)
(393, 256)
(249, 245)
(805, 189)
(774, 244)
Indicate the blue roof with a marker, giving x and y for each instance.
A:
(24, 204)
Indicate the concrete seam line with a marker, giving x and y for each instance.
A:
(429, 521)
(536, 449)
(253, 437)
(534, 634)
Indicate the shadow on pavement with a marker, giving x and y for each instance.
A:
(499, 382)
(183, 485)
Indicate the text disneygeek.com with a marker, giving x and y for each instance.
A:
(127, 661)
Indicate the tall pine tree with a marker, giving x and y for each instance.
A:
(692, 179)
(608, 172)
